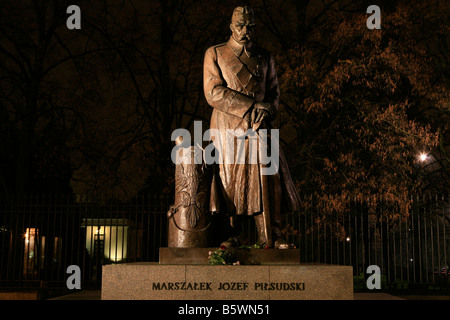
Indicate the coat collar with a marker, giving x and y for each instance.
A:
(238, 48)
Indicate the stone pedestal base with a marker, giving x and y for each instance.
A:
(153, 281)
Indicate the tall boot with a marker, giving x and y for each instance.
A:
(279, 243)
(277, 235)
(234, 232)
(260, 229)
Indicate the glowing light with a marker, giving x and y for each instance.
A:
(347, 239)
(423, 157)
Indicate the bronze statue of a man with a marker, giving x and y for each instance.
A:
(240, 83)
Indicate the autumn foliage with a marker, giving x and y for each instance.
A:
(354, 96)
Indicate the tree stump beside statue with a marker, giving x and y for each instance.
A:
(189, 217)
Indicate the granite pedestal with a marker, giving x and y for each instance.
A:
(154, 281)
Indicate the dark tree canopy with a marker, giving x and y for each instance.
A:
(92, 110)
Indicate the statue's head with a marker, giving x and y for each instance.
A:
(242, 25)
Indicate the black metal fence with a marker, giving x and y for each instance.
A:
(412, 250)
(41, 236)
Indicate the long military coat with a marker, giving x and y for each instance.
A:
(235, 77)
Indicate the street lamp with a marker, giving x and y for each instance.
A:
(423, 157)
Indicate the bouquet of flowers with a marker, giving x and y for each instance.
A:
(222, 256)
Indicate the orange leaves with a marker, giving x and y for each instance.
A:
(358, 94)
(334, 80)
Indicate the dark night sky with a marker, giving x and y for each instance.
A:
(92, 110)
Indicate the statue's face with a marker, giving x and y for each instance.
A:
(242, 29)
